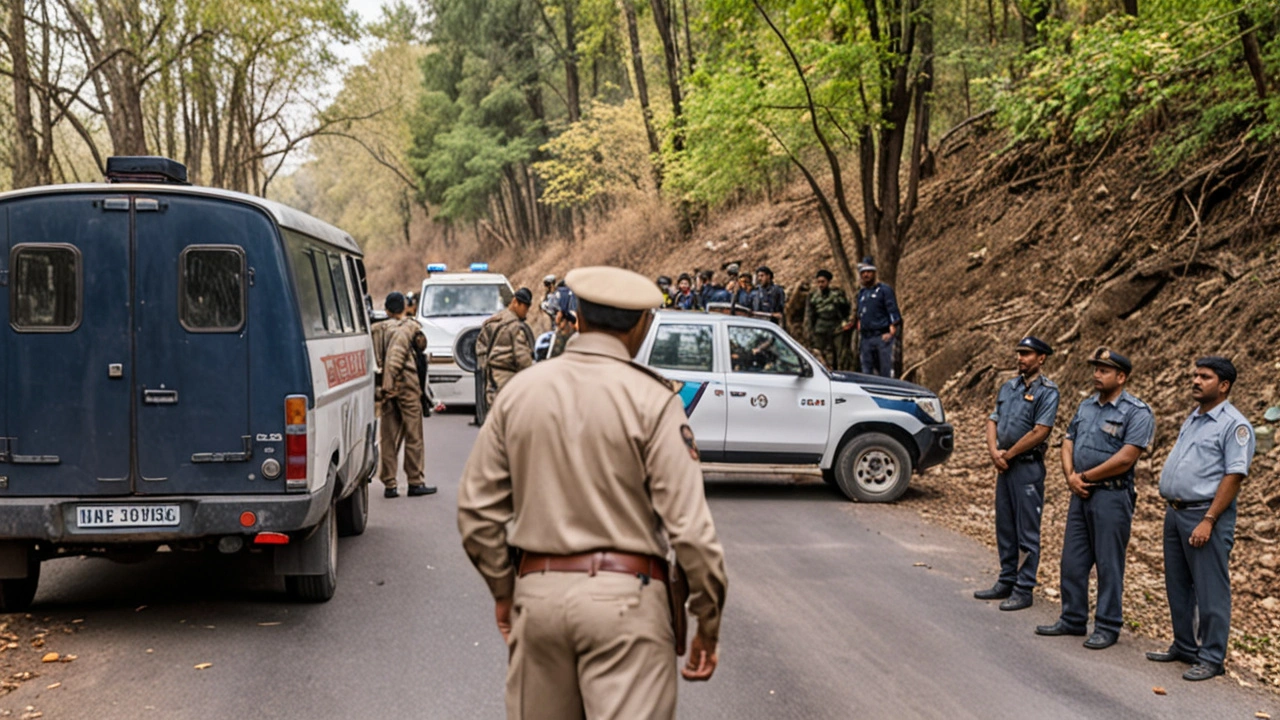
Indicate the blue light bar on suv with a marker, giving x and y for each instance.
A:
(436, 267)
(479, 267)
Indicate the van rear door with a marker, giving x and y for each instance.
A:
(194, 278)
(68, 365)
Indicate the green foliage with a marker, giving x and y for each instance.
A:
(599, 160)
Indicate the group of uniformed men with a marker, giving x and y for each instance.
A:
(1109, 432)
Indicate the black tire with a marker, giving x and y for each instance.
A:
(353, 512)
(319, 588)
(873, 467)
(829, 476)
(16, 594)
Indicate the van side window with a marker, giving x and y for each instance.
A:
(211, 288)
(45, 290)
(341, 294)
(357, 287)
(304, 277)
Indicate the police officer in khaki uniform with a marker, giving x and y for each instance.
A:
(400, 395)
(506, 344)
(593, 500)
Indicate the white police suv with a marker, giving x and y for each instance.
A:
(754, 396)
(451, 303)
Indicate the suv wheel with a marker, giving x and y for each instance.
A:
(873, 467)
(353, 512)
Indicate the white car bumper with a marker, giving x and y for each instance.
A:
(451, 384)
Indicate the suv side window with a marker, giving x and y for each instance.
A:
(757, 350)
(682, 347)
(45, 290)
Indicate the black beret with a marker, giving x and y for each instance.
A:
(684, 276)
(1035, 344)
(765, 269)
(524, 296)
(394, 302)
(1220, 366)
(1110, 358)
(824, 274)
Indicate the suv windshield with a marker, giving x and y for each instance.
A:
(451, 300)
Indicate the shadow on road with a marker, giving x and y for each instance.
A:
(786, 490)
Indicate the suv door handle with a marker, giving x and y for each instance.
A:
(737, 393)
(160, 397)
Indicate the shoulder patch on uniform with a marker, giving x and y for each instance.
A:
(686, 433)
(1243, 435)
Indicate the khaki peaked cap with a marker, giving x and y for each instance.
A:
(614, 287)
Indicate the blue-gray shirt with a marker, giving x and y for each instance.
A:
(1099, 431)
(877, 309)
(1210, 446)
(1020, 407)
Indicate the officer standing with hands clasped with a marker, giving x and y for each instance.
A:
(1106, 437)
(1017, 435)
(878, 321)
(1200, 482)
(591, 502)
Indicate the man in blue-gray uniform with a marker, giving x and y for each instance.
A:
(1110, 431)
(1200, 481)
(878, 321)
(1017, 435)
(769, 297)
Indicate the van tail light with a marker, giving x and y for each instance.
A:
(295, 443)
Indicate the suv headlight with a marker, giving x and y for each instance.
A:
(931, 406)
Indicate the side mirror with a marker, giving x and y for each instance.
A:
(806, 370)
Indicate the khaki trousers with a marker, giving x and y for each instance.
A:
(498, 380)
(401, 422)
(590, 647)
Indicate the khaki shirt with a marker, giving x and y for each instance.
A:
(484, 340)
(400, 369)
(612, 470)
(510, 346)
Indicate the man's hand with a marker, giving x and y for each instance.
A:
(702, 659)
(502, 612)
(998, 459)
(1201, 534)
(887, 337)
(1078, 486)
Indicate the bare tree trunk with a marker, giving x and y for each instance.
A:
(1131, 7)
(25, 142)
(688, 36)
(1252, 53)
(571, 63)
(662, 18)
(642, 86)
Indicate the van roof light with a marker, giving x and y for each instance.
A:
(146, 169)
(479, 267)
(436, 267)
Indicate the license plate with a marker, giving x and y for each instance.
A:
(127, 516)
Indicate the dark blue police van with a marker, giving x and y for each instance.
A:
(183, 367)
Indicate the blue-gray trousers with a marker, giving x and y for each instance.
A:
(1097, 534)
(877, 356)
(1019, 501)
(1197, 579)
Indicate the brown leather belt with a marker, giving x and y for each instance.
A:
(593, 562)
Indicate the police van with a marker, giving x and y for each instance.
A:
(182, 367)
(758, 401)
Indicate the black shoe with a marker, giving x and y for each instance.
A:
(390, 493)
(1101, 639)
(999, 591)
(1203, 671)
(1172, 655)
(1017, 601)
(415, 490)
(1057, 628)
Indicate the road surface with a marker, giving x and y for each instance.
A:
(835, 610)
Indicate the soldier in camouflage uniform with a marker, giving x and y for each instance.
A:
(824, 315)
(505, 344)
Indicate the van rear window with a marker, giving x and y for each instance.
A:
(45, 291)
(212, 288)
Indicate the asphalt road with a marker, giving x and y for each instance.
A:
(835, 610)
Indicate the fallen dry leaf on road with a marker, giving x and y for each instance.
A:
(69, 658)
(269, 624)
(140, 608)
(54, 686)
(204, 666)
(1159, 691)
(50, 657)
(1262, 716)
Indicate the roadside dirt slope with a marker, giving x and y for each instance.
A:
(1100, 248)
